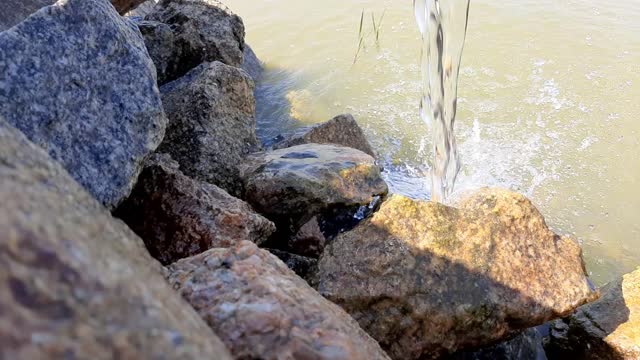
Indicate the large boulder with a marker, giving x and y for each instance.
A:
(77, 80)
(204, 31)
(179, 217)
(292, 186)
(608, 329)
(341, 130)
(262, 310)
(161, 44)
(211, 113)
(77, 283)
(425, 279)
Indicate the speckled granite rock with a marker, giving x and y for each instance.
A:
(341, 130)
(292, 185)
(77, 80)
(524, 346)
(160, 42)
(179, 217)
(212, 123)
(204, 31)
(608, 329)
(262, 310)
(251, 64)
(77, 283)
(425, 279)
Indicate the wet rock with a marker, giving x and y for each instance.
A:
(160, 42)
(425, 279)
(524, 346)
(262, 310)
(305, 267)
(341, 130)
(290, 186)
(211, 113)
(204, 31)
(77, 283)
(179, 217)
(251, 64)
(606, 329)
(77, 80)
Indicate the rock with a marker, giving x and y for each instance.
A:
(290, 186)
(211, 113)
(124, 6)
(77, 283)
(262, 310)
(525, 346)
(142, 10)
(606, 329)
(161, 44)
(425, 279)
(341, 130)
(77, 80)
(179, 217)
(204, 31)
(304, 267)
(251, 64)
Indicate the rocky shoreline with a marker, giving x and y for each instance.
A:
(141, 218)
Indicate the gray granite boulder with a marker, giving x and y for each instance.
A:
(426, 280)
(262, 310)
(77, 283)
(160, 43)
(178, 217)
(77, 80)
(212, 123)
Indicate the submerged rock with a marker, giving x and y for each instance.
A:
(179, 217)
(426, 279)
(608, 329)
(262, 310)
(77, 283)
(204, 31)
(341, 130)
(211, 113)
(77, 80)
(290, 186)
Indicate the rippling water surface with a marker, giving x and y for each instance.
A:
(549, 101)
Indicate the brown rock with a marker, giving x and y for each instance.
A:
(262, 310)
(212, 123)
(425, 279)
(608, 329)
(179, 217)
(77, 283)
(341, 130)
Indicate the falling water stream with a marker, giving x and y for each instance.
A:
(443, 25)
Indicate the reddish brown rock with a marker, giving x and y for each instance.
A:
(262, 310)
(77, 283)
(425, 279)
(179, 217)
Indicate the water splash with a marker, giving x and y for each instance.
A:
(443, 25)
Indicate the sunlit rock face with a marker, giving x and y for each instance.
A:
(606, 329)
(426, 279)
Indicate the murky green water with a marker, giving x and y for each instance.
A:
(549, 102)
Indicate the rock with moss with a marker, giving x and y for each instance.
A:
(77, 283)
(608, 329)
(425, 279)
(262, 310)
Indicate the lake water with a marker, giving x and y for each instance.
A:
(549, 102)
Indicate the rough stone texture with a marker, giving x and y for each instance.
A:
(425, 279)
(309, 240)
(305, 267)
(179, 217)
(262, 310)
(212, 123)
(525, 346)
(77, 80)
(251, 64)
(143, 9)
(160, 42)
(606, 329)
(204, 31)
(292, 185)
(77, 283)
(341, 130)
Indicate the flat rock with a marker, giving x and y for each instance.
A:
(77, 80)
(262, 310)
(608, 328)
(204, 31)
(178, 217)
(425, 279)
(77, 283)
(290, 186)
(211, 113)
(341, 130)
